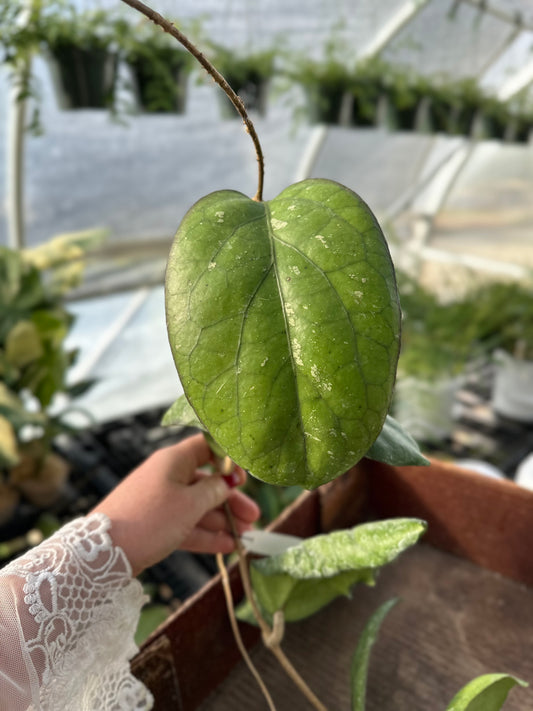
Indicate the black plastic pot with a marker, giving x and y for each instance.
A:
(161, 81)
(325, 103)
(84, 78)
(253, 90)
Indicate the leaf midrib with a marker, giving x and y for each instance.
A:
(272, 240)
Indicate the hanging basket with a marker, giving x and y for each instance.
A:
(518, 129)
(160, 81)
(364, 113)
(83, 78)
(462, 119)
(325, 103)
(253, 91)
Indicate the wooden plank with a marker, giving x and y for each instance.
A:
(155, 668)
(453, 621)
(487, 521)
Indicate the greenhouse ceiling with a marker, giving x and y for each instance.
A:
(137, 176)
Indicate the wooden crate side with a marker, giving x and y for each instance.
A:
(487, 521)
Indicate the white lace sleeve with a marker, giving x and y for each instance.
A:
(68, 613)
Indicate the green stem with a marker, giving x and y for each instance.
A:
(167, 26)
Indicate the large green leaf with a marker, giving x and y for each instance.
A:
(485, 693)
(396, 446)
(308, 576)
(361, 657)
(283, 320)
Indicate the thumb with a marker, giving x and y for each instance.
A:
(208, 493)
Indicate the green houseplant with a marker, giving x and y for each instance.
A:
(326, 84)
(82, 50)
(34, 364)
(504, 318)
(159, 68)
(248, 73)
(439, 341)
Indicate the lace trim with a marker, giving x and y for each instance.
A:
(84, 608)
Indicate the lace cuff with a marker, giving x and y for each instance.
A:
(68, 613)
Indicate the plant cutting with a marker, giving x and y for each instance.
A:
(284, 323)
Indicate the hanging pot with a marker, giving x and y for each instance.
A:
(83, 78)
(462, 119)
(253, 91)
(325, 103)
(489, 126)
(518, 129)
(161, 82)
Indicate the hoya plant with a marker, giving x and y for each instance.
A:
(284, 323)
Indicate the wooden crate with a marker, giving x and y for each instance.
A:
(466, 604)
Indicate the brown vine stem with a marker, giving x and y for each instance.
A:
(271, 637)
(237, 635)
(171, 29)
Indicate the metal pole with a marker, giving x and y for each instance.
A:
(15, 169)
(15, 148)
(390, 29)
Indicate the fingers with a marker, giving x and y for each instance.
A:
(202, 541)
(196, 449)
(205, 494)
(180, 461)
(243, 508)
(218, 521)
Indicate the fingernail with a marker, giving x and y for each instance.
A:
(232, 480)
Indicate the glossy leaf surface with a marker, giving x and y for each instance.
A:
(361, 657)
(283, 320)
(308, 576)
(485, 693)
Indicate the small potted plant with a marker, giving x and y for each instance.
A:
(159, 68)
(328, 85)
(82, 50)
(249, 73)
(465, 100)
(439, 340)
(505, 328)
(402, 96)
(34, 363)
(368, 89)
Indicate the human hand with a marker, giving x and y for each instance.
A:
(167, 503)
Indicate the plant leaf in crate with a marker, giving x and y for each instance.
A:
(310, 575)
(484, 693)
